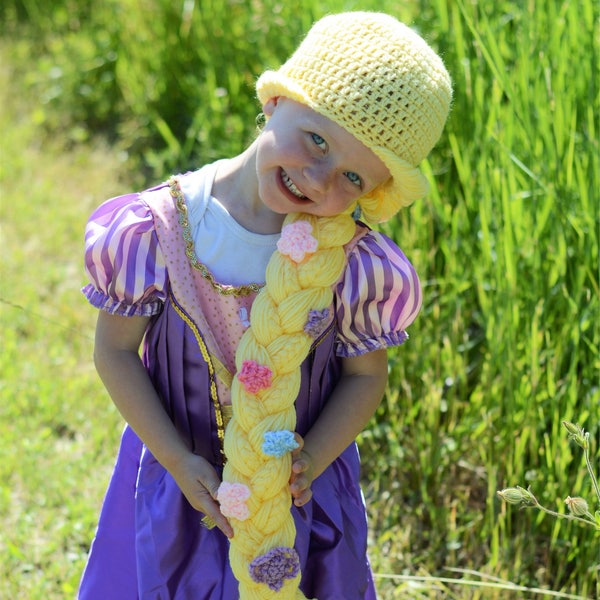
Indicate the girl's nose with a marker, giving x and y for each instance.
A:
(318, 175)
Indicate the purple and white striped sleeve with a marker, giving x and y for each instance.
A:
(378, 297)
(123, 260)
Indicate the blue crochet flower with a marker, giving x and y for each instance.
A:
(278, 443)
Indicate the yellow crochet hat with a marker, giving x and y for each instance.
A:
(379, 80)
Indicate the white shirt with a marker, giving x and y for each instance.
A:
(234, 255)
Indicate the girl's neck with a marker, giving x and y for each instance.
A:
(236, 188)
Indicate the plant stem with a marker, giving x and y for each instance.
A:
(588, 463)
(565, 516)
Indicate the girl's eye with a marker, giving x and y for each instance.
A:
(353, 178)
(319, 141)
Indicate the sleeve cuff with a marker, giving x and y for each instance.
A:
(104, 302)
(350, 349)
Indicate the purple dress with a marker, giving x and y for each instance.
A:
(150, 543)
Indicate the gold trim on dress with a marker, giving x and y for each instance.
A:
(213, 384)
(224, 290)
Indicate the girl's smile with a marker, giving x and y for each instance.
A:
(291, 186)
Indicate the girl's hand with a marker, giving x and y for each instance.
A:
(302, 474)
(199, 483)
(117, 358)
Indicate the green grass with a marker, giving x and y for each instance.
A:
(59, 432)
(506, 244)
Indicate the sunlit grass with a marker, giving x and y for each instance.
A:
(58, 430)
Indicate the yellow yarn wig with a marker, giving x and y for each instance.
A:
(379, 80)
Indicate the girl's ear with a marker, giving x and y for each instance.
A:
(269, 106)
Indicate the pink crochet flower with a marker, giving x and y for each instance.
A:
(254, 377)
(232, 498)
(296, 240)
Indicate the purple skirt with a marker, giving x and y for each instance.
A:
(150, 543)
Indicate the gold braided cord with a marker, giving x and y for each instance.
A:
(208, 358)
(276, 339)
(224, 290)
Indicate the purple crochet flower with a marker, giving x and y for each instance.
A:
(296, 240)
(254, 377)
(317, 322)
(275, 566)
(278, 443)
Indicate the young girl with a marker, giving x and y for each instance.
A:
(265, 312)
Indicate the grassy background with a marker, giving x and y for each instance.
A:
(99, 98)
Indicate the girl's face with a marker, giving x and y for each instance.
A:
(307, 163)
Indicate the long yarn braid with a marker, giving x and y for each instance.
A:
(381, 82)
(255, 490)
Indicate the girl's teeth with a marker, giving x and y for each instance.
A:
(290, 185)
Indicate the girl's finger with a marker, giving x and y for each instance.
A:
(300, 441)
(303, 498)
(299, 466)
(213, 514)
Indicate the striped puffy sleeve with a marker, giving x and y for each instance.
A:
(123, 260)
(377, 298)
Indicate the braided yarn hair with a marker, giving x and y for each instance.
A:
(380, 81)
